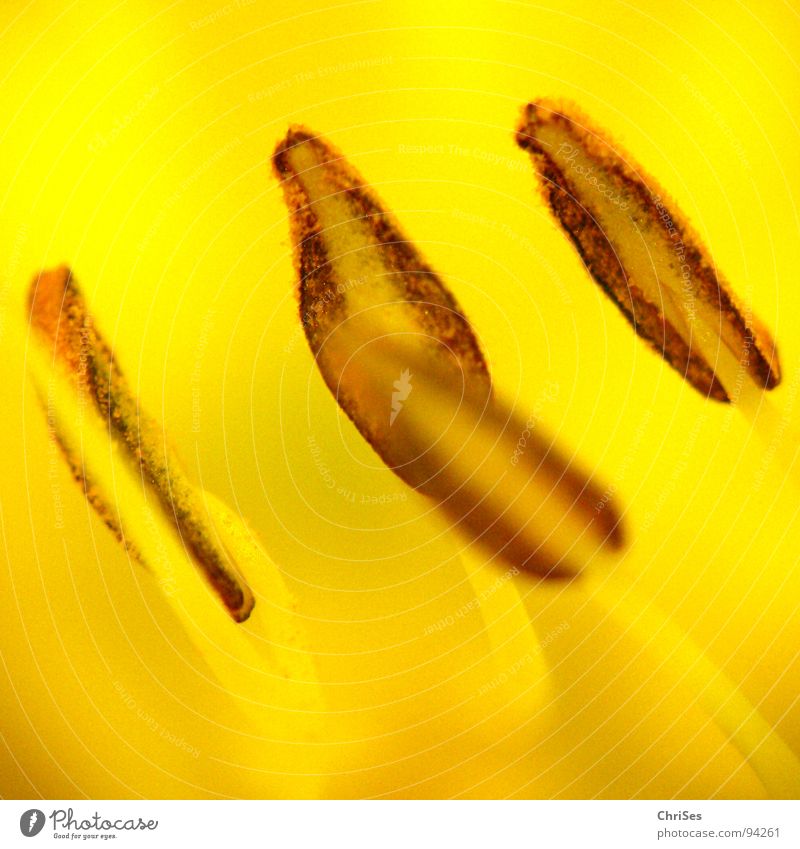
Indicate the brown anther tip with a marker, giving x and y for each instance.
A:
(644, 254)
(537, 113)
(527, 119)
(59, 314)
(46, 294)
(58, 276)
(241, 611)
(56, 311)
(615, 538)
(296, 135)
(373, 311)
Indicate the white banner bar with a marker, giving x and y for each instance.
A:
(400, 825)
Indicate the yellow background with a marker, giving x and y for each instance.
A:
(134, 146)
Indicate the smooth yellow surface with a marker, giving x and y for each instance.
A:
(134, 145)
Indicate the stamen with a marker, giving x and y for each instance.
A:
(404, 364)
(59, 316)
(643, 253)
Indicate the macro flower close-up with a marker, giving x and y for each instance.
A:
(400, 401)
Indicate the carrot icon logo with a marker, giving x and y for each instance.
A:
(402, 389)
(31, 822)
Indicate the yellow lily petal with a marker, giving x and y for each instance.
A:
(761, 746)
